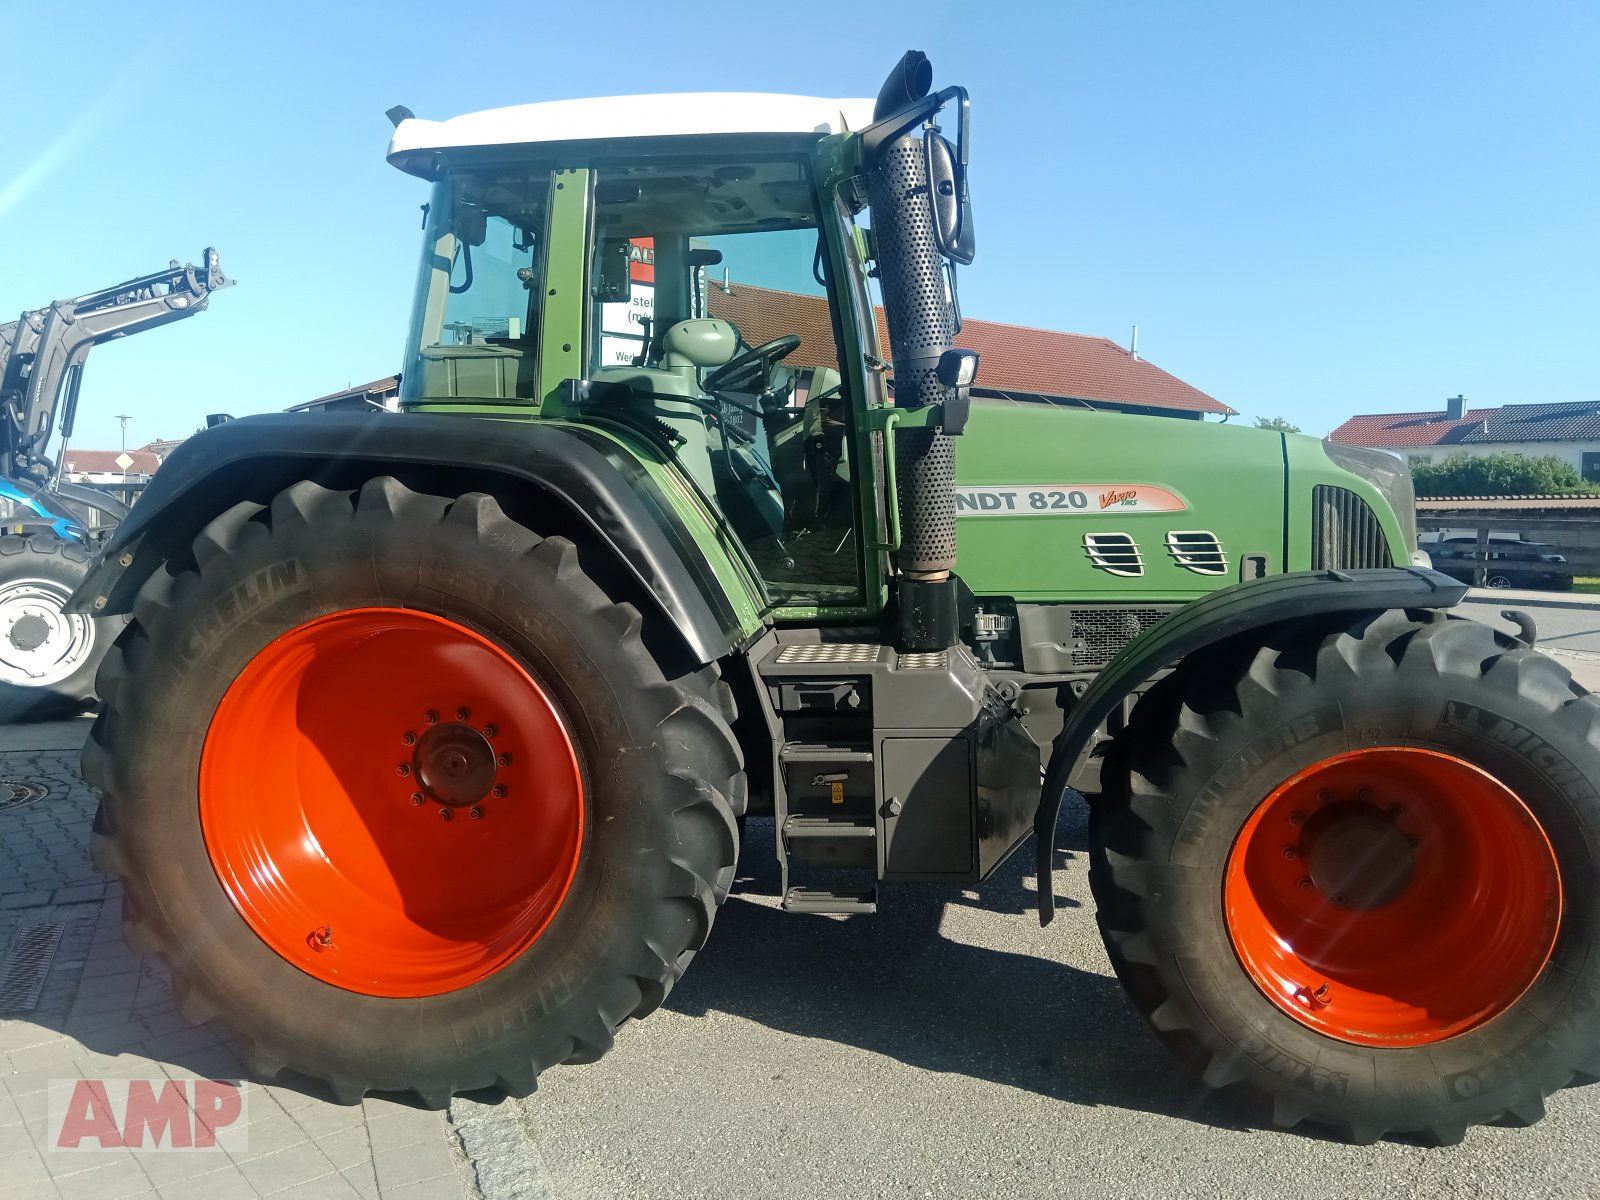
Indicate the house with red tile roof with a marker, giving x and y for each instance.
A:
(1569, 431)
(1014, 361)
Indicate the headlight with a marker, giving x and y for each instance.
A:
(1388, 474)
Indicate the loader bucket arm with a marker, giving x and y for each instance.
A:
(43, 351)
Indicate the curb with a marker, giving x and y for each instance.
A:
(1587, 603)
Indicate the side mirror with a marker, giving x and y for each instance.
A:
(613, 278)
(950, 204)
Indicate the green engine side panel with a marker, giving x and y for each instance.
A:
(1308, 465)
(1032, 481)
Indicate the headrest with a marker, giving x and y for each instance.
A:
(704, 342)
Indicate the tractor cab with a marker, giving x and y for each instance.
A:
(706, 295)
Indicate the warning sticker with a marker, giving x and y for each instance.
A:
(1064, 499)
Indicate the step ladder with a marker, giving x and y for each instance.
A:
(828, 829)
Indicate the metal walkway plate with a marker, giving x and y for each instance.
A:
(33, 949)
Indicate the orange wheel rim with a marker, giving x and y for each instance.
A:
(391, 802)
(1392, 897)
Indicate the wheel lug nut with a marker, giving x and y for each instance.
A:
(498, 791)
(1304, 883)
(403, 770)
(463, 713)
(490, 730)
(475, 812)
(445, 814)
(1397, 813)
(504, 760)
(1324, 797)
(1364, 795)
(1290, 852)
(431, 717)
(1298, 818)
(417, 798)
(408, 739)
(1339, 899)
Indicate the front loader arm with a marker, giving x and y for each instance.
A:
(42, 353)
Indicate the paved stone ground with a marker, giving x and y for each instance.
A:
(108, 1013)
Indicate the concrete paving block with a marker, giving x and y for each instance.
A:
(19, 1034)
(56, 1053)
(167, 1166)
(24, 899)
(428, 1189)
(329, 1187)
(79, 893)
(320, 1119)
(24, 1172)
(121, 1177)
(400, 1165)
(363, 1181)
(397, 1125)
(224, 1184)
(347, 1149)
(104, 1002)
(271, 1131)
(285, 1169)
(177, 1046)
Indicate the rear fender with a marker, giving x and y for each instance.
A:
(1252, 605)
(597, 488)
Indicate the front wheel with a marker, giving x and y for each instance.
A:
(1355, 870)
(48, 657)
(403, 797)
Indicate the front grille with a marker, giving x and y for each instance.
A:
(1099, 633)
(1114, 553)
(1345, 531)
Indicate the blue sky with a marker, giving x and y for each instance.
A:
(1309, 210)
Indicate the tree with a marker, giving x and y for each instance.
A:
(1497, 475)
(1278, 423)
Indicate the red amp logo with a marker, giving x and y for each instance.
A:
(153, 1114)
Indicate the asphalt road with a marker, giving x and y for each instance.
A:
(1565, 632)
(948, 1046)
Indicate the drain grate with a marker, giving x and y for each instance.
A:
(14, 793)
(33, 949)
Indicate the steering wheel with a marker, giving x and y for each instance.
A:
(754, 366)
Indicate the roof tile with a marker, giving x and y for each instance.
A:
(1013, 357)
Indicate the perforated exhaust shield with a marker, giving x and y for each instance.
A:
(920, 330)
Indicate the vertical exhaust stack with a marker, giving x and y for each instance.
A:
(921, 328)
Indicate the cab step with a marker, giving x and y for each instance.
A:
(830, 900)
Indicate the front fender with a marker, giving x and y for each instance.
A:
(254, 458)
(1254, 604)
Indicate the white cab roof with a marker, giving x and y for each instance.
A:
(628, 117)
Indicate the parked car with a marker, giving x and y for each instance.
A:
(1514, 562)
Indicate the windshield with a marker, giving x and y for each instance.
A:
(475, 328)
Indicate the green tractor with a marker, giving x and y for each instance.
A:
(427, 748)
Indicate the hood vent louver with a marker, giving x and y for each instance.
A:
(1114, 553)
(1198, 550)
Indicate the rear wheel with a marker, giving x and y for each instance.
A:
(48, 657)
(1355, 870)
(402, 796)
